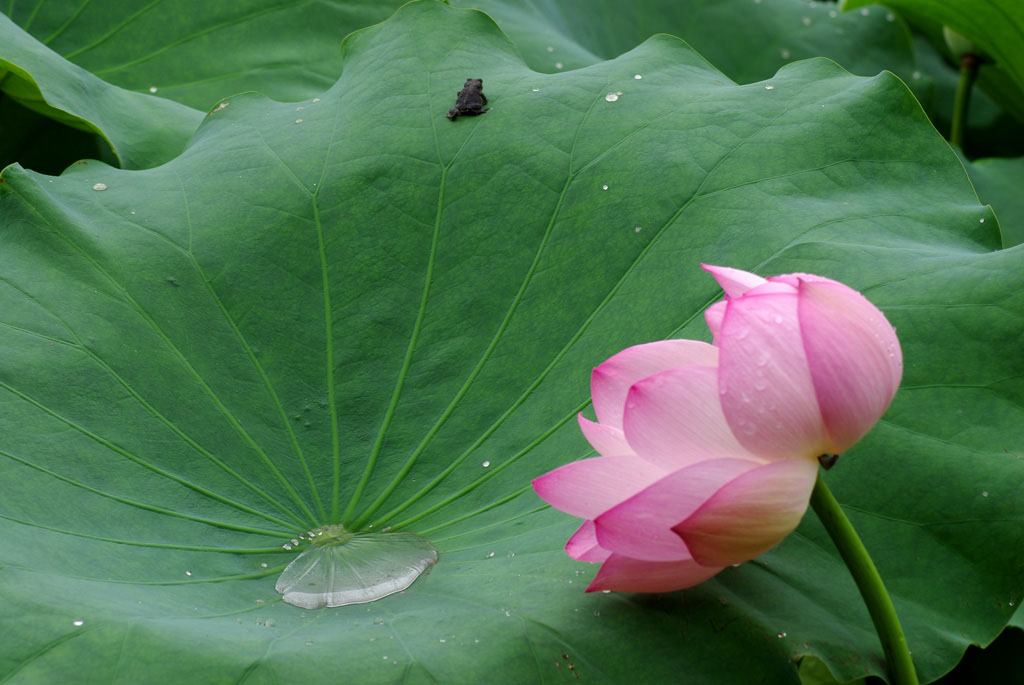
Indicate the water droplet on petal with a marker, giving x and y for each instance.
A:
(611, 97)
(100, 186)
(152, 89)
(769, 86)
(777, 318)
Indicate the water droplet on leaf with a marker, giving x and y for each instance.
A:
(769, 86)
(340, 568)
(100, 186)
(611, 97)
(152, 89)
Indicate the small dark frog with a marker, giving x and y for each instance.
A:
(470, 100)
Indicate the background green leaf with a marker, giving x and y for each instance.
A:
(748, 41)
(143, 131)
(996, 26)
(355, 304)
(199, 53)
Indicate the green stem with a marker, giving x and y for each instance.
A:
(883, 614)
(968, 72)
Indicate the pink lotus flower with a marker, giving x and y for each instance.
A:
(709, 452)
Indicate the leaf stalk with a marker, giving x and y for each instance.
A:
(961, 103)
(869, 582)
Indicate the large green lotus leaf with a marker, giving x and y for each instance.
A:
(996, 26)
(746, 39)
(197, 53)
(142, 131)
(352, 309)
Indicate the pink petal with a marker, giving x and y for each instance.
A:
(610, 381)
(674, 419)
(607, 440)
(794, 279)
(765, 386)
(623, 574)
(589, 487)
(641, 526)
(734, 282)
(582, 546)
(713, 317)
(751, 514)
(854, 358)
